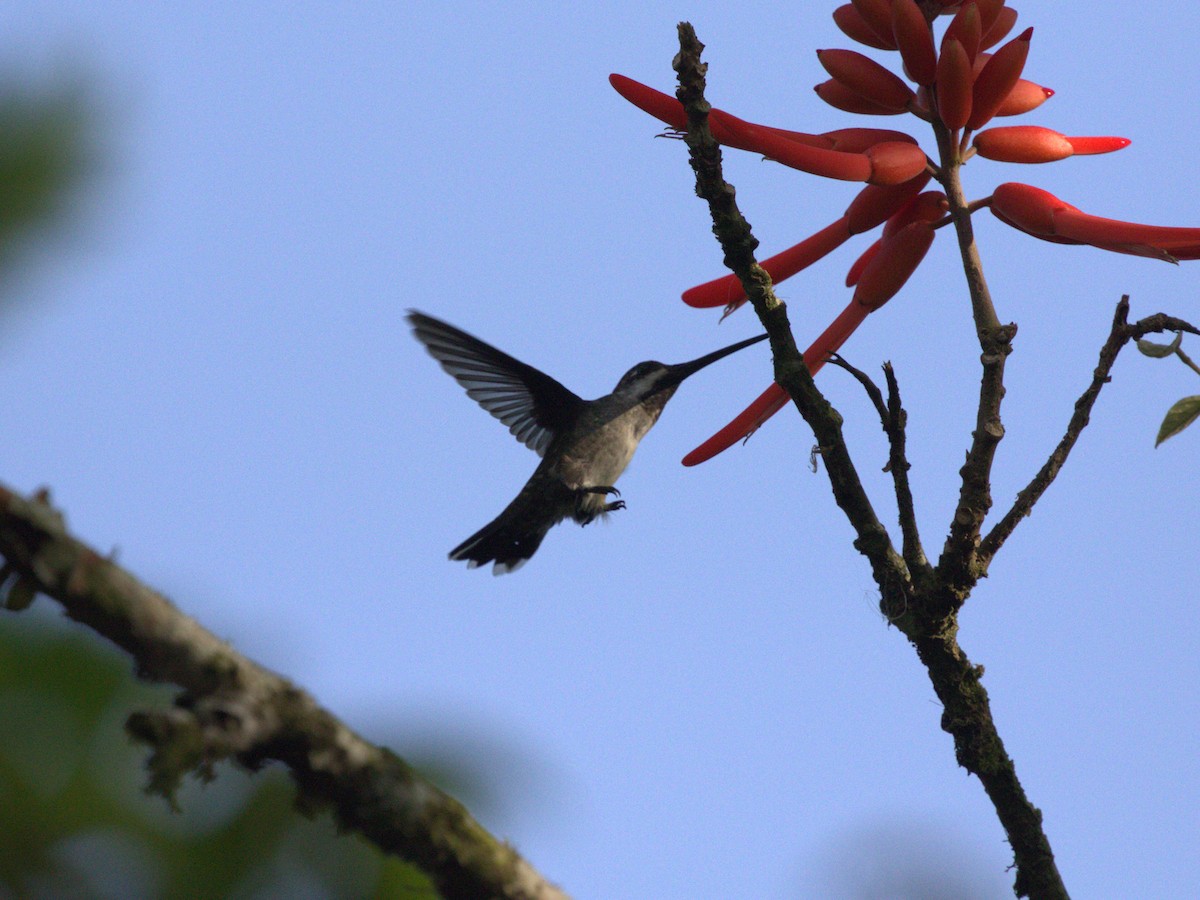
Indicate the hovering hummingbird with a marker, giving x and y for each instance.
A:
(585, 444)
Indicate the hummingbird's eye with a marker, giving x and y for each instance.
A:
(639, 372)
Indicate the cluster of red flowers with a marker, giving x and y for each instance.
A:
(959, 88)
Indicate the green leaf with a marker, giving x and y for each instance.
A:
(1159, 351)
(1178, 417)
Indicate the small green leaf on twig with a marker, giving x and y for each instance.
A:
(1178, 417)
(1159, 351)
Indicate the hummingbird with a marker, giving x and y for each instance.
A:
(584, 444)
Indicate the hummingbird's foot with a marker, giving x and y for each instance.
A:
(603, 490)
(588, 510)
(591, 516)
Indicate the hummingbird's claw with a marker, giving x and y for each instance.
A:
(600, 489)
(607, 508)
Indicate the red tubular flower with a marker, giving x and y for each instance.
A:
(884, 268)
(1034, 144)
(914, 41)
(775, 398)
(856, 140)
(867, 78)
(1042, 215)
(997, 79)
(927, 207)
(727, 291)
(873, 205)
(1086, 146)
(844, 140)
(888, 162)
(662, 106)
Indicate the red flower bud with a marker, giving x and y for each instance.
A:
(955, 85)
(1023, 144)
(966, 29)
(856, 268)
(877, 203)
(898, 257)
(914, 41)
(927, 207)
(1006, 18)
(989, 11)
(877, 14)
(895, 162)
(867, 78)
(841, 97)
(997, 79)
(855, 27)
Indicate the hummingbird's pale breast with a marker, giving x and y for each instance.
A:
(599, 456)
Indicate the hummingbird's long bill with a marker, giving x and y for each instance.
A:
(680, 371)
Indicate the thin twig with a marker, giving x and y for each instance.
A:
(893, 418)
(897, 422)
(874, 394)
(1120, 335)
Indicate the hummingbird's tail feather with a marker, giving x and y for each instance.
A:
(509, 540)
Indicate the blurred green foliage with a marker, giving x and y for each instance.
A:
(77, 824)
(48, 152)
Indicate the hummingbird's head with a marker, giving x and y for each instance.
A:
(649, 378)
(646, 379)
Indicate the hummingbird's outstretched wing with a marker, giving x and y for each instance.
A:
(532, 404)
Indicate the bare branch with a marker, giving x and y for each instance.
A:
(739, 244)
(1120, 335)
(233, 708)
(894, 419)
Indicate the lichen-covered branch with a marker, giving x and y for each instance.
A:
(232, 708)
(922, 602)
(738, 244)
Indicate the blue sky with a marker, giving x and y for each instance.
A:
(699, 698)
